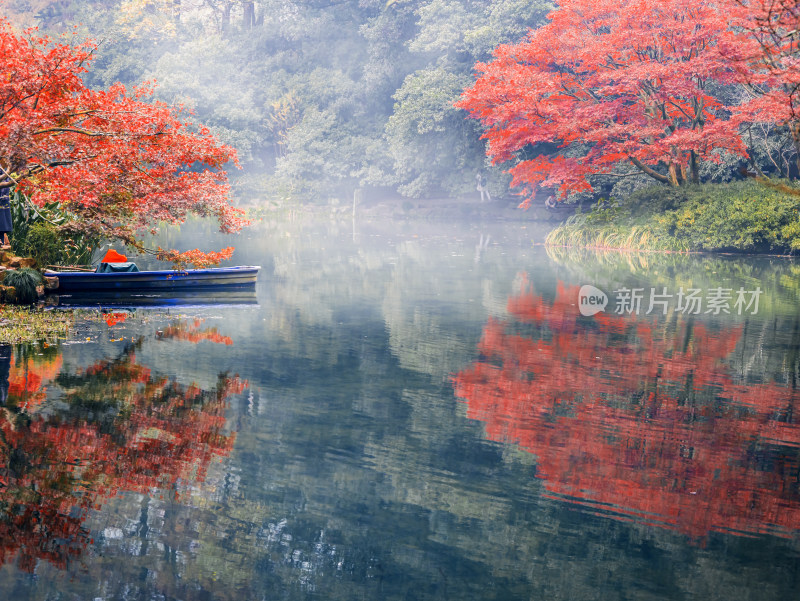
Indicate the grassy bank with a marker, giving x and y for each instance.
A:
(738, 217)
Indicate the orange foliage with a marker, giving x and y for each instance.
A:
(117, 160)
(113, 319)
(612, 81)
(639, 419)
(195, 258)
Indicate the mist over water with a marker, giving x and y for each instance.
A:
(414, 410)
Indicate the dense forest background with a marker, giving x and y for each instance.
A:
(335, 100)
(320, 97)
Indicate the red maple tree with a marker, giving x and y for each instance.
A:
(116, 160)
(611, 81)
(637, 420)
(771, 74)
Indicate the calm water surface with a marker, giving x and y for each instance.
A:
(416, 411)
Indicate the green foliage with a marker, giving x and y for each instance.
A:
(740, 216)
(655, 199)
(44, 244)
(347, 67)
(25, 281)
(459, 30)
(41, 233)
(434, 148)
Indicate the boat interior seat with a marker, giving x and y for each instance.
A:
(116, 267)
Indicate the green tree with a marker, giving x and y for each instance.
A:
(434, 149)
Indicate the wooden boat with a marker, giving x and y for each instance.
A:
(164, 280)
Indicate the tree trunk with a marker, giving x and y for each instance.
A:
(684, 176)
(795, 129)
(249, 16)
(226, 17)
(694, 168)
(673, 174)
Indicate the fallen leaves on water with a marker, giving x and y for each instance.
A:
(21, 324)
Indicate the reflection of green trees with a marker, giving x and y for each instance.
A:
(777, 276)
(379, 486)
(427, 510)
(790, 279)
(324, 277)
(334, 480)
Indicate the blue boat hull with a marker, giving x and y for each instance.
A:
(191, 279)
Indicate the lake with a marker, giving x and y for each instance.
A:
(416, 410)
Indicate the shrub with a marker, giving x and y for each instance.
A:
(25, 281)
(740, 216)
(42, 242)
(654, 200)
(744, 216)
(39, 233)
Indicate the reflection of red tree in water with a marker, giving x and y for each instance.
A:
(191, 332)
(124, 430)
(27, 380)
(644, 422)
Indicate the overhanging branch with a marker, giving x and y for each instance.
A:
(650, 171)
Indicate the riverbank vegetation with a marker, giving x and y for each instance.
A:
(744, 216)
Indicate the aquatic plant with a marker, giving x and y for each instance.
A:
(26, 325)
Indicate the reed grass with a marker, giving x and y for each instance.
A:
(578, 231)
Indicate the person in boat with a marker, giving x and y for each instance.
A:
(6, 224)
